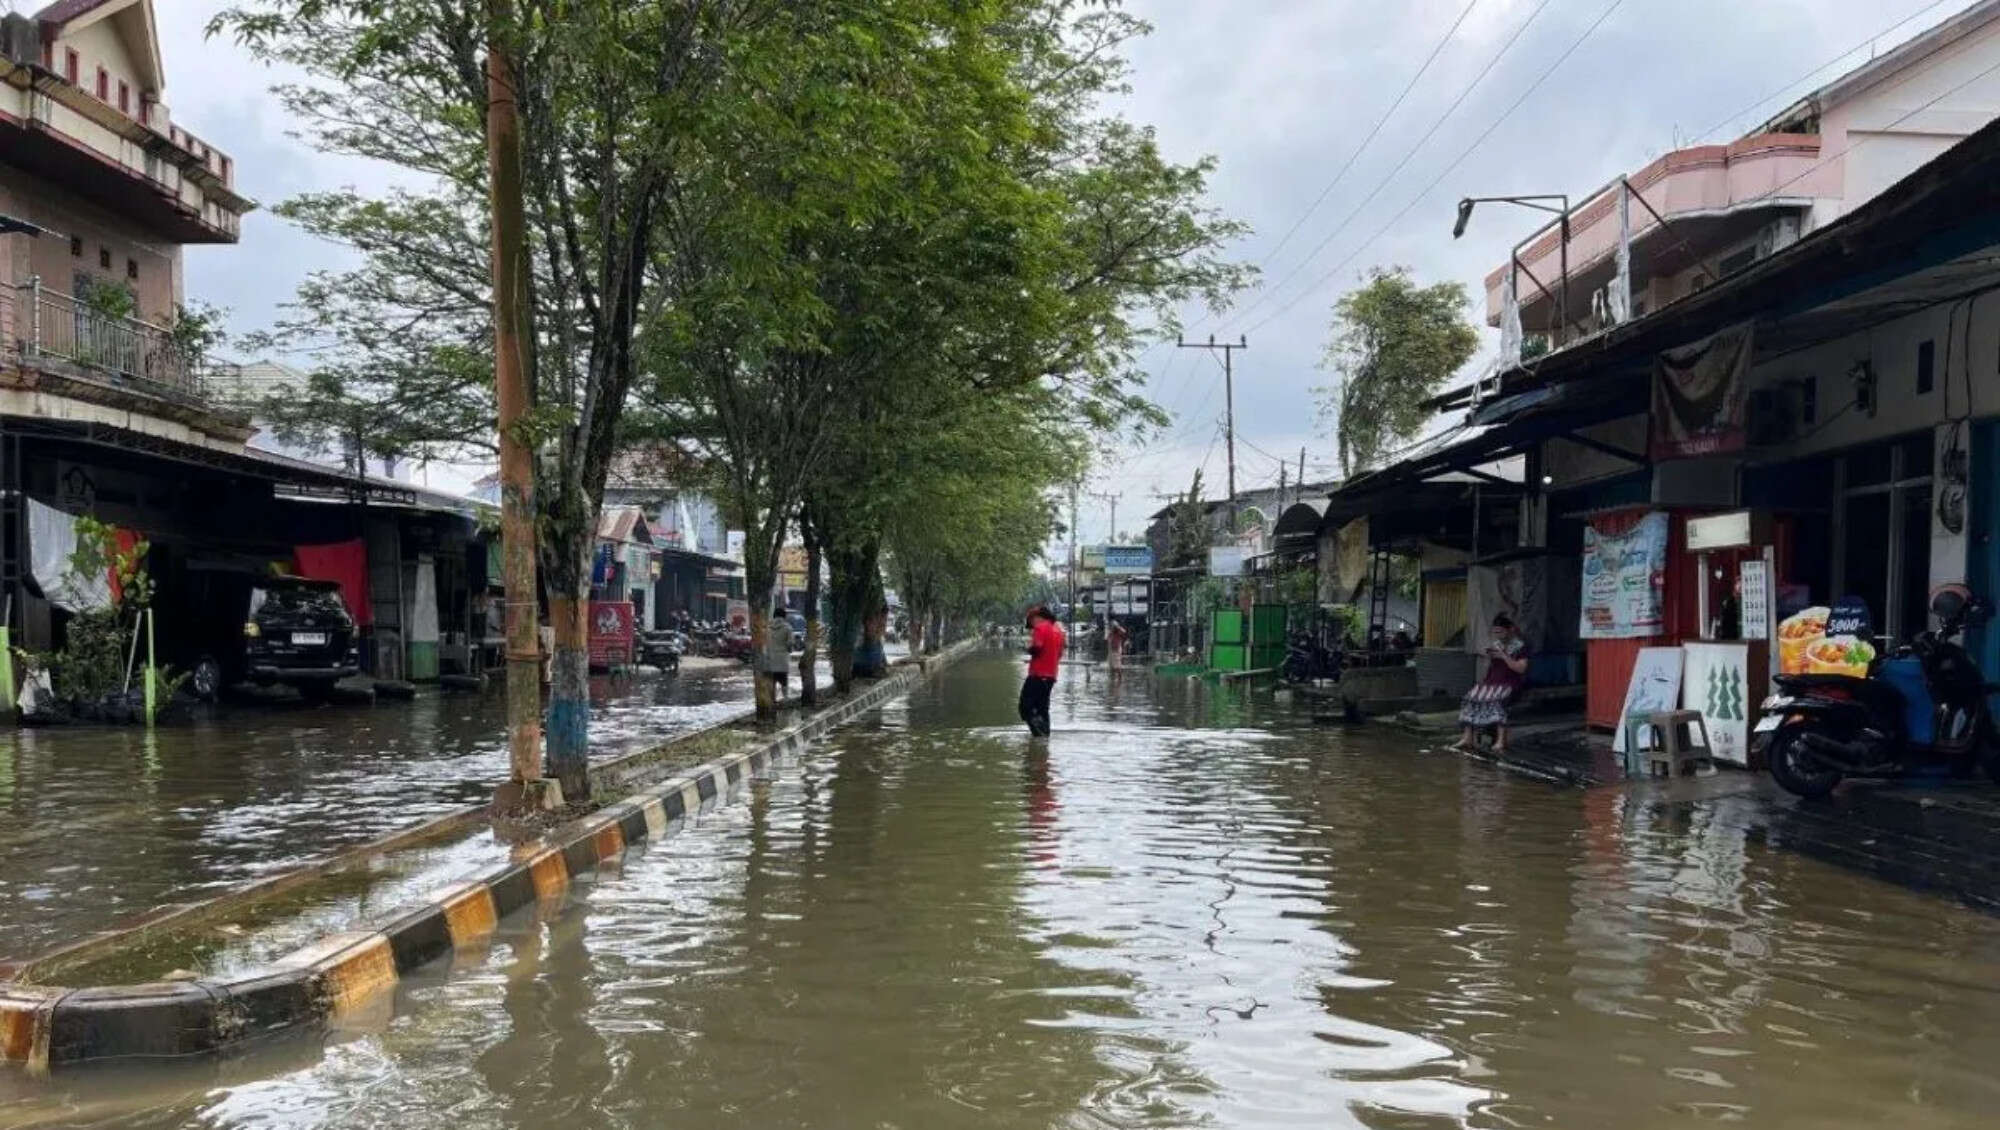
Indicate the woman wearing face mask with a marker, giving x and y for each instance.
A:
(1486, 703)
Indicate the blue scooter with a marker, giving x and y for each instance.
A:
(1925, 704)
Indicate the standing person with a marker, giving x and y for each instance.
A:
(1114, 646)
(1506, 673)
(1045, 648)
(776, 658)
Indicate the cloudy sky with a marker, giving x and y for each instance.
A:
(1283, 93)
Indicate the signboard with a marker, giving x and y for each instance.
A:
(1655, 686)
(1827, 641)
(1127, 560)
(610, 639)
(1093, 558)
(1849, 616)
(1719, 531)
(1225, 561)
(1624, 581)
(739, 614)
(1754, 579)
(1699, 394)
(734, 542)
(1715, 683)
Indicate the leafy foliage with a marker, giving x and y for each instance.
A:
(1394, 345)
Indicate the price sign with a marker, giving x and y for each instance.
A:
(1756, 583)
(1850, 617)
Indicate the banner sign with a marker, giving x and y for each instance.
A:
(1624, 581)
(1699, 393)
(1127, 560)
(1225, 561)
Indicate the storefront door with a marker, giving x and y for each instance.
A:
(1982, 566)
(1883, 532)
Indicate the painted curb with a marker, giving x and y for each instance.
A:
(354, 974)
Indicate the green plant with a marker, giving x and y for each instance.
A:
(110, 300)
(167, 682)
(91, 663)
(196, 330)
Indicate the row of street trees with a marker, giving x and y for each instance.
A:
(880, 269)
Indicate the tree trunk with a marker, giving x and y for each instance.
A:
(566, 543)
(854, 590)
(510, 379)
(767, 687)
(809, 659)
(569, 692)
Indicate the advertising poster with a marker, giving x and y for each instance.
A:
(1715, 683)
(610, 637)
(1655, 686)
(1624, 581)
(1827, 641)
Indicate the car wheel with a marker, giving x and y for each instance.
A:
(205, 681)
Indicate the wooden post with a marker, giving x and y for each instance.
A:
(510, 380)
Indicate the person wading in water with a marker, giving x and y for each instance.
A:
(1045, 648)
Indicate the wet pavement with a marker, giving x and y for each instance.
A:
(100, 823)
(1191, 908)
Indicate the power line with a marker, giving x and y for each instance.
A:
(1885, 32)
(1448, 169)
(1266, 293)
(1272, 255)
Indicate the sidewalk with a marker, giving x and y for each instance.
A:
(1929, 833)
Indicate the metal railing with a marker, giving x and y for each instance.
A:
(50, 324)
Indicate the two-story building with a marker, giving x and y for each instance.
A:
(109, 406)
(1794, 408)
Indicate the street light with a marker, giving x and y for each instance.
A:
(1539, 203)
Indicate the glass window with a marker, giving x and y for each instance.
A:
(1916, 456)
(1864, 533)
(1914, 561)
(1868, 466)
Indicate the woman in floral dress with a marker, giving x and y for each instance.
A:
(1506, 673)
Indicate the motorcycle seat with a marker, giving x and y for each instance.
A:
(1874, 692)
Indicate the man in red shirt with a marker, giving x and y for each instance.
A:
(1045, 648)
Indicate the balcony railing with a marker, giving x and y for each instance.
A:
(51, 325)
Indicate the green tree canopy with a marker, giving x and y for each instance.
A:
(1394, 345)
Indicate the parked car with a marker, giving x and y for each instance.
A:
(299, 634)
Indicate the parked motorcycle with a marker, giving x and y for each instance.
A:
(662, 648)
(1925, 704)
(1308, 659)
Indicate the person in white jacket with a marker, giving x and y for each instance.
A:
(775, 659)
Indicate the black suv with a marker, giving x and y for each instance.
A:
(299, 633)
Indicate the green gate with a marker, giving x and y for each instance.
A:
(1267, 636)
(1228, 649)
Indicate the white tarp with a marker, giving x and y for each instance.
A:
(424, 603)
(51, 542)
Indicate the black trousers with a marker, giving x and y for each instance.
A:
(1035, 692)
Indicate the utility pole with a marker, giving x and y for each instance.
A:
(1302, 473)
(1072, 557)
(1112, 498)
(510, 379)
(1228, 350)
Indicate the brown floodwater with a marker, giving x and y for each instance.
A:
(1191, 908)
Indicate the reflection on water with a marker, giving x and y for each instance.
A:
(1186, 909)
(99, 823)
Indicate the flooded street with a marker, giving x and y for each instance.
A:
(1193, 908)
(98, 823)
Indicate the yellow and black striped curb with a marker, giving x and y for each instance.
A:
(47, 1028)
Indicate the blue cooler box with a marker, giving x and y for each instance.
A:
(1907, 676)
